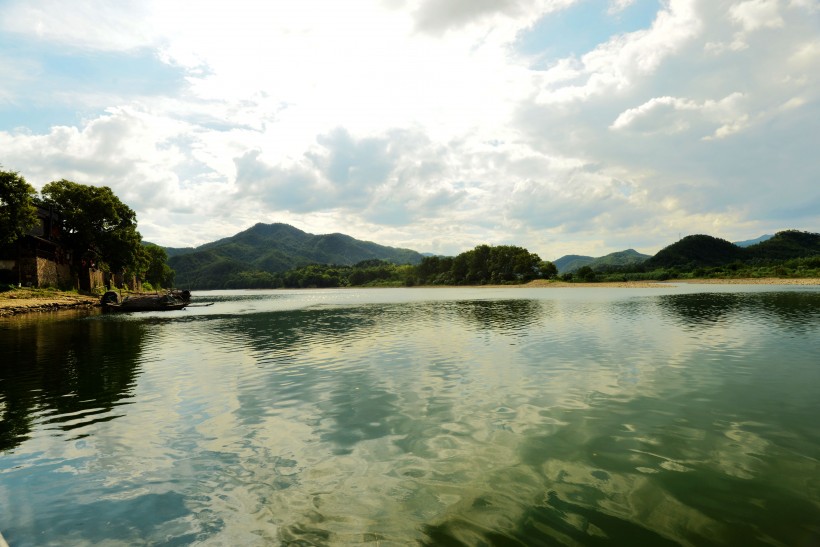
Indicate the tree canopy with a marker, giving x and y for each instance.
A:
(96, 224)
(156, 270)
(18, 213)
(485, 264)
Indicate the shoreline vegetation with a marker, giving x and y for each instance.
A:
(26, 300)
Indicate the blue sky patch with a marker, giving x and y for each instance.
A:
(36, 103)
(579, 28)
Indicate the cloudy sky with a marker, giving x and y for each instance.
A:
(564, 126)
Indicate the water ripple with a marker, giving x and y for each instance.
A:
(428, 417)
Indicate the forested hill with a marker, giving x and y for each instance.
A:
(571, 263)
(696, 251)
(786, 245)
(706, 251)
(273, 248)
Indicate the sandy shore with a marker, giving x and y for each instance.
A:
(621, 284)
(753, 281)
(656, 284)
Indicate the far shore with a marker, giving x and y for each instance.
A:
(752, 281)
(19, 301)
(656, 284)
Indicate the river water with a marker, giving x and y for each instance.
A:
(574, 416)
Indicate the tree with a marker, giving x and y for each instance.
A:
(547, 269)
(97, 226)
(18, 214)
(586, 273)
(157, 271)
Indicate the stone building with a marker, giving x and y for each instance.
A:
(38, 260)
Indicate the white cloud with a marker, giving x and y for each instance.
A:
(751, 16)
(669, 115)
(756, 14)
(434, 17)
(138, 155)
(617, 6)
(417, 123)
(619, 62)
(92, 24)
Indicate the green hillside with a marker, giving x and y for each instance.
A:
(273, 248)
(696, 251)
(572, 263)
(702, 251)
(785, 245)
(629, 257)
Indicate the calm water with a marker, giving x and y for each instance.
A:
(684, 415)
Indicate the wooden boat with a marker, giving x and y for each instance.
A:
(170, 300)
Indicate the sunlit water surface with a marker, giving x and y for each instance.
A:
(683, 415)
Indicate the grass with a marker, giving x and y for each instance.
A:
(12, 292)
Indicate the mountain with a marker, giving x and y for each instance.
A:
(785, 245)
(571, 263)
(696, 251)
(749, 242)
(706, 251)
(628, 257)
(273, 248)
(174, 251)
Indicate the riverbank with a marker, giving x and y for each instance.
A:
(19, 301)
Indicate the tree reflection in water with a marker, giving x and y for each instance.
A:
(59, 370)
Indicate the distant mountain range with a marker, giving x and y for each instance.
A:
(750, 242)
(571, 263)
(691, 250)
(273, 248)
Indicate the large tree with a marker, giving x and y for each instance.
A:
(96, 224)
(17, 211)
(157, 271)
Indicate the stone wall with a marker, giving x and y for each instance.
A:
(97, 279)
(52, 274)
(130, 281)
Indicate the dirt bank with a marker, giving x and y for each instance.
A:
(33, 300)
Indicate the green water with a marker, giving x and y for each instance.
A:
(683, 415)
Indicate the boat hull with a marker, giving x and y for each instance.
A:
(159, 307)
(175, 300)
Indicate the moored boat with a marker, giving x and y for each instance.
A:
(170, 300)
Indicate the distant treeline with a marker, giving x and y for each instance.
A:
(503, 264)
(796, 267)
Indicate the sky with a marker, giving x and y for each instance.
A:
(562, 126)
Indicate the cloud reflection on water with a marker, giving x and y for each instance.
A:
(539, 416)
